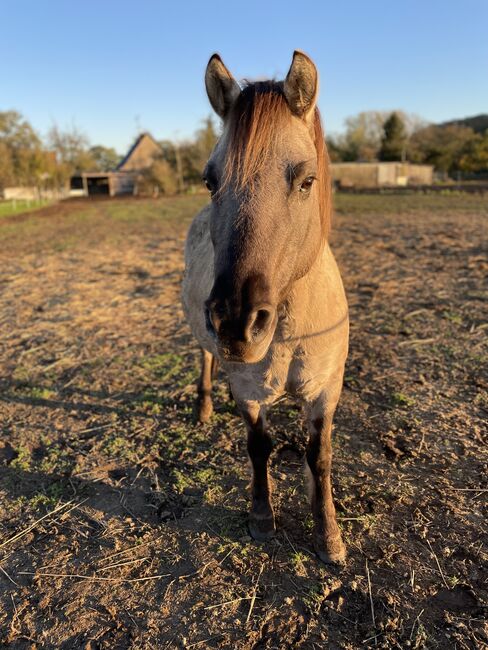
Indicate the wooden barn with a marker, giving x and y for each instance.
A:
(381, 174)
(123, 179)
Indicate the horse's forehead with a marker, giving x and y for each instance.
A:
(294, 144)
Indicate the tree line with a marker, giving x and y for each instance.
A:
(375, 135)
(28, 160)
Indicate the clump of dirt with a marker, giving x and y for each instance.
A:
(123, 522)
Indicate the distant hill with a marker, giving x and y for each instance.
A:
(479, 123)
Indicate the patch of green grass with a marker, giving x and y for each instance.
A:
(170, 367)
(308, 522)
(205, 479)
(55, 459)
(23, 459)
(453, 317)
(402, 400)
(313, 598)
(38, 392)
(205, 476)
(11, 207)
(52, 458)
(49, 498)
(117, 445)
(298, 561)
(91, 223)
(182, 480)
(179, 438)
(180, 208)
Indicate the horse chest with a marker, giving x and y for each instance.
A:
(284, 371)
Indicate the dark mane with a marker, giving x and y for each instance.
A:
(258, 118)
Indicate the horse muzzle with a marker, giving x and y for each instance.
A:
(242, 339)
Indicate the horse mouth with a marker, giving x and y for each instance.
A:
(245, 354)
(234, 358)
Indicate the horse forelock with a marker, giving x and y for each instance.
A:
(258, 119)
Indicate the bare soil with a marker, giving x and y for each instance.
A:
(123, 522)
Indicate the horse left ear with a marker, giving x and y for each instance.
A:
(301, 85)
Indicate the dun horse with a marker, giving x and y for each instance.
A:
(262, 291)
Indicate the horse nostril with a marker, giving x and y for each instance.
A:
(263, 317)
(258, 323)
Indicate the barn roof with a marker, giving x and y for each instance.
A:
(141, 154)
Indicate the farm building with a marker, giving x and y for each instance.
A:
(380, 174)
(123, 179)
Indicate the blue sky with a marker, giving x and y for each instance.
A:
(113, 67)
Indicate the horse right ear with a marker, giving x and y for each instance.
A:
(301, 85)
(222, 88)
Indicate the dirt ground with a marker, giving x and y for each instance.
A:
(123, 522)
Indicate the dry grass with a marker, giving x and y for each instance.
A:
(123, 523)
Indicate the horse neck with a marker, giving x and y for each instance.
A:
(301, 301)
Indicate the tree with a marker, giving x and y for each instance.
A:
(475, 155)
(205, 139)
(441, 146)
(362, 137)
(195, 153)
(16, 132)
(157, 179)
(394, 139)
(188, 159)
(71, 149)
(21, 156)
(6, 166)
(105, 159)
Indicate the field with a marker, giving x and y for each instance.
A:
(123, 522)
(20, 206)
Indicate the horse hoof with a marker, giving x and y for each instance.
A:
(262, 530)
(336, 556)
(334, 559)
(205, 410)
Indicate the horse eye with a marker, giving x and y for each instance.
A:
(207, 185)
(306, 185)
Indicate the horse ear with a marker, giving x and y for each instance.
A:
(222, 88)
(301, 85)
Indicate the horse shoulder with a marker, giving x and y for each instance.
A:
(198, 277)
(322, 331)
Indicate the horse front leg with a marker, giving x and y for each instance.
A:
(327, 536)
(259, 447)
(204, 387)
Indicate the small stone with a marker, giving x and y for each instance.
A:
(245, 539)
